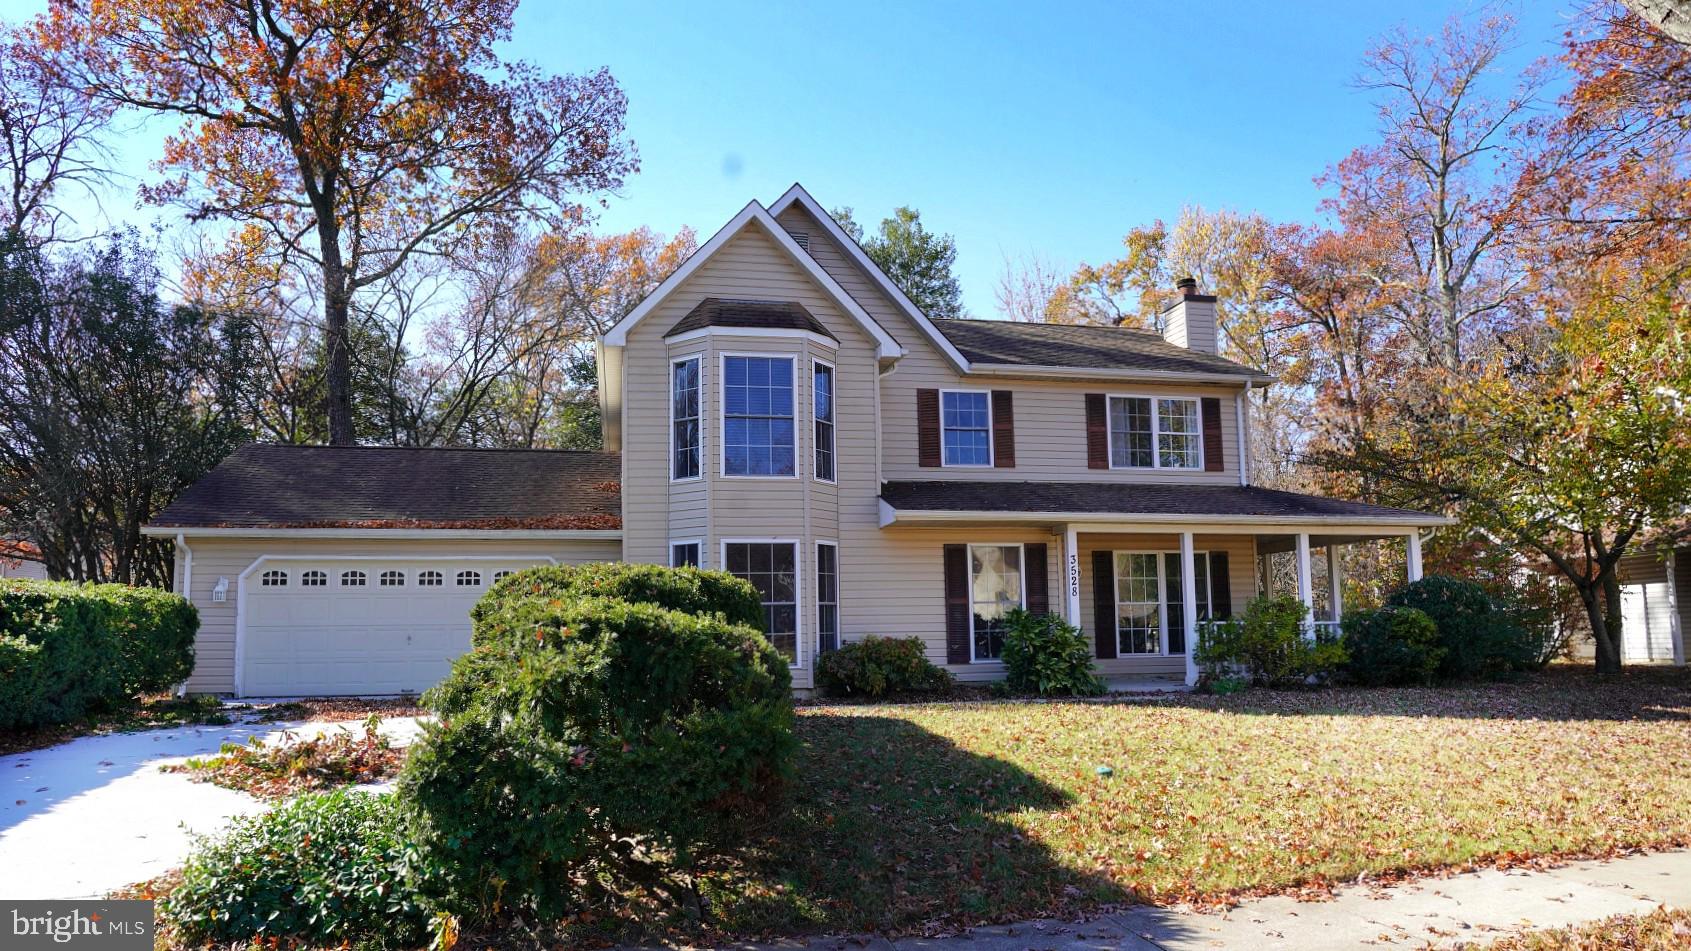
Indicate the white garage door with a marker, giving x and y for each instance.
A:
(344, 627)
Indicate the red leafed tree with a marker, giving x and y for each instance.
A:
(342, 137)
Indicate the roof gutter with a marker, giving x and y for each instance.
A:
(891, 515)
(1106, 373)
(181, 532)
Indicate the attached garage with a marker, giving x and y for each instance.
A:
(327, 571)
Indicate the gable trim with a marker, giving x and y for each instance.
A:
(886, 346)
(797, 194)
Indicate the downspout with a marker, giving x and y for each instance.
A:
(187, 589)
(1242, 420)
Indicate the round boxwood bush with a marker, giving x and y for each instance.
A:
(321, 869)
(688, 590)
(879, 667)
(630, 739)
(1394, 645)
(1480, 639)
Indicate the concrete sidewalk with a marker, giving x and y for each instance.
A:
(1430, 913)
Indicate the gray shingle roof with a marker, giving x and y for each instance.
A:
(756, 314)
(1114, 498)
(1080, 346)
(277, 486)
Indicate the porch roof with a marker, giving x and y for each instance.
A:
(1113, 501)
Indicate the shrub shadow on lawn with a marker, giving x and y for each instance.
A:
(895, 829)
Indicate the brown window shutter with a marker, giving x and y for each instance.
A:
(1097, 435)
(927, 428)
(1037, 574)
(1221, 587)
(1003, 430)
(1214, 461)
(957, 604)
(1104, 604)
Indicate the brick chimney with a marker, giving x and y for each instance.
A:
(1190, 321)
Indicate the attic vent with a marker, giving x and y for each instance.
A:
(801, 238)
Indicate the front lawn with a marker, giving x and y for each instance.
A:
(1665, 929)
(929, 816)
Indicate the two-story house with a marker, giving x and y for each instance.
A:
(779, 409)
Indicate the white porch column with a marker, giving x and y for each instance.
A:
(1414, 539)
(1335, 581)
(1071, 574)
(1306, 591)
(1189, 600)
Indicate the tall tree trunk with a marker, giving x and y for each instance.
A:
(337, 305)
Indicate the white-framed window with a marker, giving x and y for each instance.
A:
(469, 578)
(827, 596)
(393, 579)
(771, 565)
(273, 578)
(686, 428)
(995, 589)
(686, 553)
(822, 405)
(353, 579)
(758, 435)
(1150, 607)
(1155, 432)
(430, 579)
(314, 579)
(502, 574)
(965, 421)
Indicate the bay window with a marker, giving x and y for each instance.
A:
(757, 416)
(772, 569)
(822, 401)
(684, 419)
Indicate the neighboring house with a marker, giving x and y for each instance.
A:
(779, 409)
(21, 559)
(1655, 589)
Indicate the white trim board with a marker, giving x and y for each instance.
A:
(754, 213)
(390, 534)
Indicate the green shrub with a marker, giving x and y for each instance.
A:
(594, 734)
(1267, 645)
(1045, 654)
(1480, 639)
(879, 666)
(688, 590)
(1393, 645)
(67, 650)
(322, 869)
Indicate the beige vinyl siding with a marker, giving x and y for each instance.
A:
(1241, 573)
(894, 584)
(1050, 415)
(715, 507)
(214, 647)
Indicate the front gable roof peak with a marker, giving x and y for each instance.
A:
(755, 215)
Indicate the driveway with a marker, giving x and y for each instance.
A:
(84, 818)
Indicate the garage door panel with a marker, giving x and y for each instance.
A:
(360, 639)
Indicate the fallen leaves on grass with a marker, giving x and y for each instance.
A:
(274, 771)
(928, 817)
(1665, 929)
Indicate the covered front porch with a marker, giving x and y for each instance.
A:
(1139, 591)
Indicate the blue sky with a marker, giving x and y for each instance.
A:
(1018, 127)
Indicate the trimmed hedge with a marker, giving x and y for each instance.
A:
(67, 650)
(880, 666)
(601, 706)
(1480, 637)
